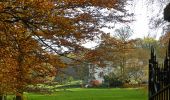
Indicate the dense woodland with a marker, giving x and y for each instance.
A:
(36, 34)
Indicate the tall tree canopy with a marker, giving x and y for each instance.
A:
(62, 23)
(33, 33)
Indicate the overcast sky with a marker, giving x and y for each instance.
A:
(143, 13)
(141, 24)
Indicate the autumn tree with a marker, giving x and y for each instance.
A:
(104, 52)
(124, 34)
(128, 57)
(138, 69)
(24, 62)
(34, 33)
(114, 51)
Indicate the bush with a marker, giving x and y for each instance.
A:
(95, 83)
(112, 81)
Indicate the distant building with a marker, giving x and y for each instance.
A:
(98, 73)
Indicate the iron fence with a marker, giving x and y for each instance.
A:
(159, 77)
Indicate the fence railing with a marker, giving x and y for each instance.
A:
(163, 94)
(159, 77)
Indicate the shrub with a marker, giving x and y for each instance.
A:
(112, 81)
(95, 83)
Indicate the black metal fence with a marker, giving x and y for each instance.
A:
(159, 77)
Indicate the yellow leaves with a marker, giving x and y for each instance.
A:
(29, 45)
(63, 23)
(58, 21)
(40, 33)
(44, 5)
(47, 5)
(40, 4)
(164, 39)
(73, 2)
(100, 3)
(55, 61)
(104, 3)
(1, 7)
(7, 70)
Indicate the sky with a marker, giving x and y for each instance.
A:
(141, 24)
(142, 15)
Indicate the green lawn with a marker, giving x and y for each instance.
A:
(92, 94)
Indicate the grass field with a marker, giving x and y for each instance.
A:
(92, 94)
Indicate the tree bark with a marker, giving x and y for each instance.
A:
(19, 96)
(5, 97)
(1, 97)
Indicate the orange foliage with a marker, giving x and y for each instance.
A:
(111, 49)
(165, 38)
(95, 83)
(33, 33)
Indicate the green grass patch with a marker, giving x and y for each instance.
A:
(92, 94)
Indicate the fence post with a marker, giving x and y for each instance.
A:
(159, 77)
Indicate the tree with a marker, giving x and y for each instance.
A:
(128, 57)
(138, 68)
(124, 34)
(24, 62)
(114, 51)
(35, 32)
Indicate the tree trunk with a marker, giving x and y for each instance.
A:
(19, 96)
(5, 97)
(1, 97)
